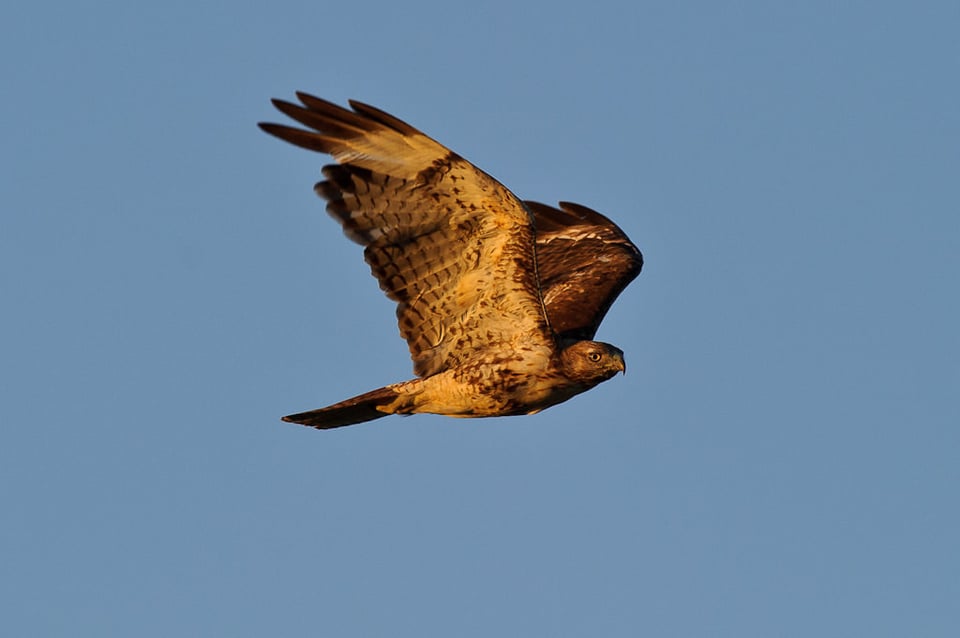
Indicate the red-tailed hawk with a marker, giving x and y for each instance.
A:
(498, 298)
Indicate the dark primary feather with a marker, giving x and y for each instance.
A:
(584, 262)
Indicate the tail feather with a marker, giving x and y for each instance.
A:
(355, 410)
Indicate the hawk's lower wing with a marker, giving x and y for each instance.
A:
(448, 242)
(585, 261)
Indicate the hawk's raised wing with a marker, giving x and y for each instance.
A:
(584, 261)
(448, 242)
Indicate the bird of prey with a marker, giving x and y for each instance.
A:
(498, 298)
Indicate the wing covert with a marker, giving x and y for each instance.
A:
(584, 262)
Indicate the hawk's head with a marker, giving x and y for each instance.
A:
(592, 362)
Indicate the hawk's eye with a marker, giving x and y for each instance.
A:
(595, 356)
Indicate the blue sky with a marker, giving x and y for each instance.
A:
(783, 458)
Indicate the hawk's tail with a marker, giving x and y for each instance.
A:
(356, 410)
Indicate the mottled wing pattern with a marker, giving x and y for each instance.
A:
(451, 245)
(584, 261)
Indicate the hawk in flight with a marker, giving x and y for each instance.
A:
(498, 298)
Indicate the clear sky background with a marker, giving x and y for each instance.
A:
(783, 458)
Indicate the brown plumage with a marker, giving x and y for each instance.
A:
(497, 299)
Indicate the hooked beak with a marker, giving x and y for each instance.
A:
(621, 364)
